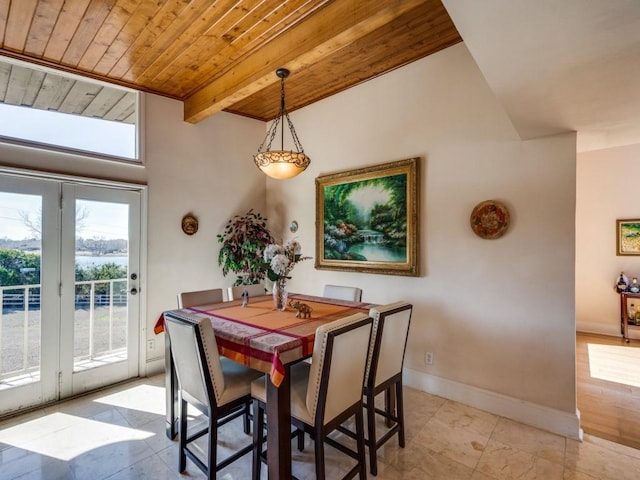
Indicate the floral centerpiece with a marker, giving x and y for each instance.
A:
(281, 258)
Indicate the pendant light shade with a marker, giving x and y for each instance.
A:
(281, 164)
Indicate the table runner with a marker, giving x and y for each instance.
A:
(265, 339)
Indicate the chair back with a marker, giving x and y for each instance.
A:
(255, 290)
(388, 341)
(200, 297)
(340, 292)
(197, 362)
(336, 375)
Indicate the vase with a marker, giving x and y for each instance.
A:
(280, 294)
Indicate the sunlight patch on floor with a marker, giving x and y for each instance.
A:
(145, 398)
(57, 435)
(615, 363)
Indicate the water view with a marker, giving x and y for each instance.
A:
(93, 260)
(379, 253)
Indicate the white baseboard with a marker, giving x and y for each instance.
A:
(539, 416)
(600, 329)
(612, 330)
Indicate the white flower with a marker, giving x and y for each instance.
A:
(293, 246)
(282, 258)
(280, 264)
(270, 251)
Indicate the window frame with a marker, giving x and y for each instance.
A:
(43, 146)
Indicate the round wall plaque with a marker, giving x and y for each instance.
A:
(489, 219)
(189, 224)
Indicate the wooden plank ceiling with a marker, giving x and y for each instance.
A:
(214, 55)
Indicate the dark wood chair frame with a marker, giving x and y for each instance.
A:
(319, 432)
(216, 415)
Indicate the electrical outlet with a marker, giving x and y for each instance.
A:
(151, 344)
(428, 358)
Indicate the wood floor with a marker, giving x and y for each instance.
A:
(608, 372)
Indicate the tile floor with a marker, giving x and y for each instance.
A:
(119, 434)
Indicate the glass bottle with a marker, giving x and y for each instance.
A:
(631, 313)
(636, 320)
(622, 283)
(634, 287)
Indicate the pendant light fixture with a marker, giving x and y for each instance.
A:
(281, 164)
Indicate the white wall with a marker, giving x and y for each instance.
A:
(497, 315)
(606, 184)
(206, 169)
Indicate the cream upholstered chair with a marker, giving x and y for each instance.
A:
(200, 298)
(384, 373)
(325, 393)
(340, 292)
(217, 387)
(203, 298)
(255, 290)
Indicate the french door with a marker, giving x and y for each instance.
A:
(69, 282)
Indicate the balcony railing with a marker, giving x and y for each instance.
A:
(99, 325)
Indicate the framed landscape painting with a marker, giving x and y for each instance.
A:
(628, 237)
(367, 219)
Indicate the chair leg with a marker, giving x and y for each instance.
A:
(258, 439)
(389, 406)
(360, 445)
(400, 409)
(371, 431)
(212, 458)
(247, 424)
(182, 457)
(319, 454)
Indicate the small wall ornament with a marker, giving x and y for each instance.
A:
(189, 224)
(489, 219)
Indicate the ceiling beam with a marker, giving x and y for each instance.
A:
(303, 44)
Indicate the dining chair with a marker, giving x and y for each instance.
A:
(341, 292)
(255, 290)
(217, 387)
(325, 393)
(384, 374)
(200, 297)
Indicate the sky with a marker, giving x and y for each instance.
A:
(11, 225)
(104, 220)
(71, 131)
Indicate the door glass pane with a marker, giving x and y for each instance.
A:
(101, 259)
(20, 260)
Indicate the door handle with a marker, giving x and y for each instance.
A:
(133, 291)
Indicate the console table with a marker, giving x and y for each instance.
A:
(624, 317)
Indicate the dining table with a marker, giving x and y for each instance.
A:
(269, 340)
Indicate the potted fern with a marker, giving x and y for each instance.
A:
(243, 242)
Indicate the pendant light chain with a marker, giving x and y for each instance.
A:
(284, 112)
(271, 134)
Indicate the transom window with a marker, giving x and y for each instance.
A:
(48, 109)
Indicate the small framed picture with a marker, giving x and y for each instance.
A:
(628, 237)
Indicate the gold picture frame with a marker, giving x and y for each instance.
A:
(367, 219)
(628, 237)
